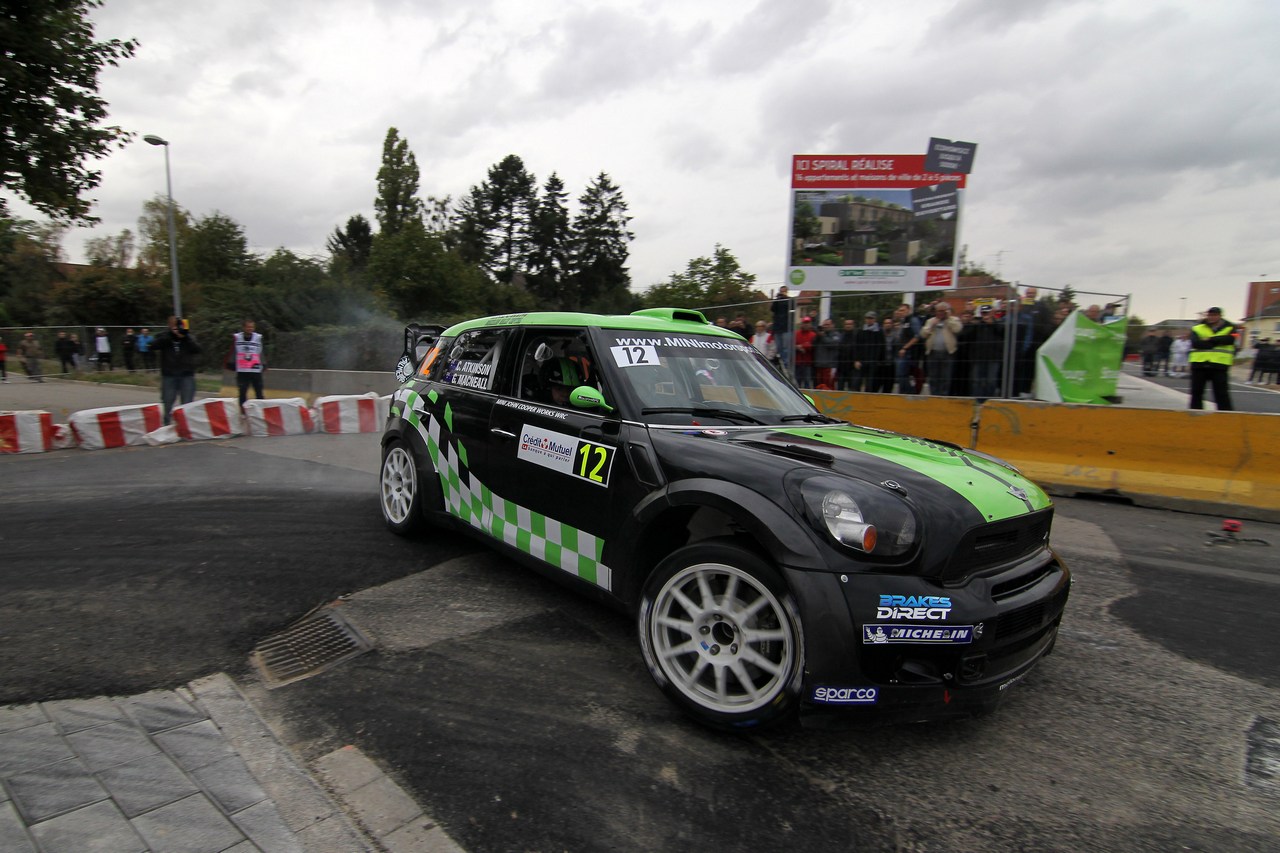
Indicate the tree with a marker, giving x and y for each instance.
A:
(550, 248)
(50, 112)
(27, 255)
(349, 248)
(705, 283)
(510, 200)
(153, 233)
(493, 224)
(115, 252)
(806, 223)
(215, 249)
(601, 280)
(422, 279)
(397, 203)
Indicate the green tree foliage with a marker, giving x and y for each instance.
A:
(420, 277)
(471, 225)
(28, 253)
(550, 250)
(510, 197)
(214, 249)
(705, 283)
(153, 233)
(111, 252)
(806, 224)
(494, 222)
(349, 247)
(397, 203)
(50, 112)
(601, 281)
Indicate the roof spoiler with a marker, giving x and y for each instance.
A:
(688, 315)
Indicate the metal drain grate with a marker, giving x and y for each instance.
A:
(314, 644)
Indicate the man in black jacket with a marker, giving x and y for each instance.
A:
(177, 349)
(868, 350)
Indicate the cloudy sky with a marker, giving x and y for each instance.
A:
(1125, 146)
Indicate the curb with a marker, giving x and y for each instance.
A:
(359, 808)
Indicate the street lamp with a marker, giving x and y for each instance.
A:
(173, 240)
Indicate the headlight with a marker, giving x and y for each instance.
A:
(845, 522)
(860, 516)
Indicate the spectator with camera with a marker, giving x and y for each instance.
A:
(177, 349)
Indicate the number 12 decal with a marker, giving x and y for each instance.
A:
(592, 462)
(635, 356)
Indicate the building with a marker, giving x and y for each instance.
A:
(1262, 311)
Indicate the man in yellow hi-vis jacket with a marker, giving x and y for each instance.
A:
(1213, 351)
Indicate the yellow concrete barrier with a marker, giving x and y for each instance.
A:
(1219, 462)
(944, 418)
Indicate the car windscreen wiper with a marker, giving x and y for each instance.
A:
(705, 411)
(811, 418)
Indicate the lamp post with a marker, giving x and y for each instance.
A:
(173, 239)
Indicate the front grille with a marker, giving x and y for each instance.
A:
(998, 543)
(1023, 582)
(1029, 618)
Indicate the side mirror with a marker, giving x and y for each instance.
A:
(586, 397)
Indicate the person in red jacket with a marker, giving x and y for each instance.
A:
(804, 353)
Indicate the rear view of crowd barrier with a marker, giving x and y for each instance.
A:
(126, 426)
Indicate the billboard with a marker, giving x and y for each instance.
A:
(872, 222)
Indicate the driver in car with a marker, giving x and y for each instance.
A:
(561, 375)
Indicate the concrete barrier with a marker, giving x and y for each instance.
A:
(943, 418)
(1216, 462)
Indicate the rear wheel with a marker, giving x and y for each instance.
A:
(722, 637)
(400, 486)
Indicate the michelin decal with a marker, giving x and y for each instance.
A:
(937, 634)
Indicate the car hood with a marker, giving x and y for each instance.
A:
(995, 490)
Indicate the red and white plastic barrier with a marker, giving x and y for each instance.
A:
(63, 437)
(213, 418)
(26, 432)
(345, 414)
(119, 426)
(278, 417)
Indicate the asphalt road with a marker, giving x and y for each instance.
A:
(521, 717)
(1244, 397)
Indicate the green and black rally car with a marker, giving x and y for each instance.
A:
(776, 560)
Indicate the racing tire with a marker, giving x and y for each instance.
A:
(722, 636)
(400, 487)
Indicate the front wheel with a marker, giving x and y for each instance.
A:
(722, 636)
(400, 487)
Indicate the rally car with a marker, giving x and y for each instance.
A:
(778, 562)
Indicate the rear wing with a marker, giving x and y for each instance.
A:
(418, 340)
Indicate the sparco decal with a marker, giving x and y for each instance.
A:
(913, 607)
(845, 695)
(946, 634)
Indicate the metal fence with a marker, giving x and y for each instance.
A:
(81, 350)
(1024, 327)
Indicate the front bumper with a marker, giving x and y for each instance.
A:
(901, 648)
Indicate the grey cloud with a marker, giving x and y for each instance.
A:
(599, 51)
(772, 31)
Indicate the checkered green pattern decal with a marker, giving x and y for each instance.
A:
(573, 550)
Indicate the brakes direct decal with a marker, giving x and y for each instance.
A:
(568, 548)
(983, 484)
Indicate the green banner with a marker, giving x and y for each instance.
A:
(1080, 362)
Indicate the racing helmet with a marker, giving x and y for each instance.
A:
(564, 371)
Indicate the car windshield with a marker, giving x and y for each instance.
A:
(689, 378)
